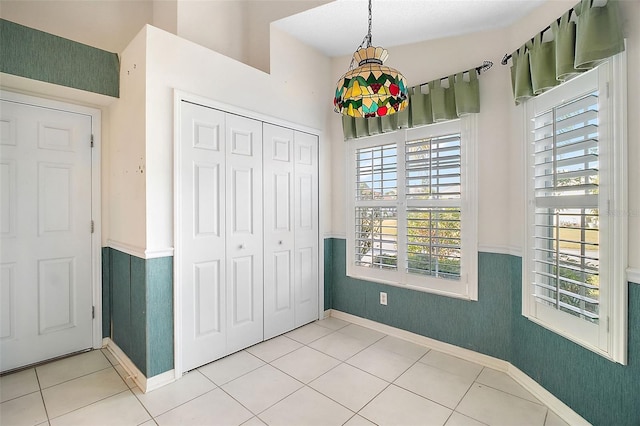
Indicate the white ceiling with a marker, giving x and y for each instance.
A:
(337, 28)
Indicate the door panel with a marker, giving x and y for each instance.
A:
(203, 267)
(306, 228)
(244, 232)
(45, 166)
(278, 232)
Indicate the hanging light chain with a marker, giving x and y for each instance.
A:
(369, 33)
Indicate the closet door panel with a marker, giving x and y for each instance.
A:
(202, 233)
(278, 231)
(244, 242)
(306, 227)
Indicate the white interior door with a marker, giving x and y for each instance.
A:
(202, 243)
(244, 232)
(45, 219)
(306, 227)
(278, 231)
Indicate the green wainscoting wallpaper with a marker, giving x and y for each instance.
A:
(37, 55)
(138, 308)
(601, 391)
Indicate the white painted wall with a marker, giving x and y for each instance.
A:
(127, 213)
(175, 63)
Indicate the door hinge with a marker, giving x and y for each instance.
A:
(93, 312)
(608, 93)
(91, 141)
(92, 227)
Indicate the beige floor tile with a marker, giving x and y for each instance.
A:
(305, 364)
(333, 323)
(435, 384)
(121, 409)
(274, 348)
(80, 392)
(349, 386)
(60, 371)
(231, 367)
(18, 384)
(502, 381)
(458, 419)
(402, 347)
(306, 407)
(363, 334)
(308, 333)
(212, 408)
(254, 421)
(452, 364)
(381, 363)
(261, 388)
(188, 387)
(358, 421)
(26, 410)
(495, 407)
(339, 345)
(396, 407)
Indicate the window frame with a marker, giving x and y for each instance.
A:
(467, 286)
(608, 338)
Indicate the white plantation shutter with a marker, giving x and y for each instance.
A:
(566, 239)
(407, 209)
(433, 197)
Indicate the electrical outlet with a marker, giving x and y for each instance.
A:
(383, 298)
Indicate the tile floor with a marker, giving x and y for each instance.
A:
(326, 373)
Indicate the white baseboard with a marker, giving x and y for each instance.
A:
(145, 385)
(543, 395)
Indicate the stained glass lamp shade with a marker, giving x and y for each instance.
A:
(371, 89)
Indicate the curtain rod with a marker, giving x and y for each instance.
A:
(479, 69)
(507, 56)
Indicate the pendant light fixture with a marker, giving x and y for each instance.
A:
(371, 89)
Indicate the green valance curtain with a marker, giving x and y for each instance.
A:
(582, 38)
(428, 103)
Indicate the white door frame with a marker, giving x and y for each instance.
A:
(178, 97)
(96, 194)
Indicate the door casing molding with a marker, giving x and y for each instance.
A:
(96, 194)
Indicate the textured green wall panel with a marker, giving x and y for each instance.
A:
(106, 292)
(141, 304)
(138, 325)
(121, 299)
(37, 55)
(482, 326)
(159, 315)
(328, 263)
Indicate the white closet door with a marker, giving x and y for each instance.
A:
(306, 227)
(278, 231)
(244, 232)
(202, 225)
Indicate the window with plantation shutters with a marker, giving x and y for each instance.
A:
(566, 237)
(411, 219)
(575, 261)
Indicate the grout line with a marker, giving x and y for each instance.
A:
(46, 412)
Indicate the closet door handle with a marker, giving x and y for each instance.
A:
(241, 246)
(280, 242)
